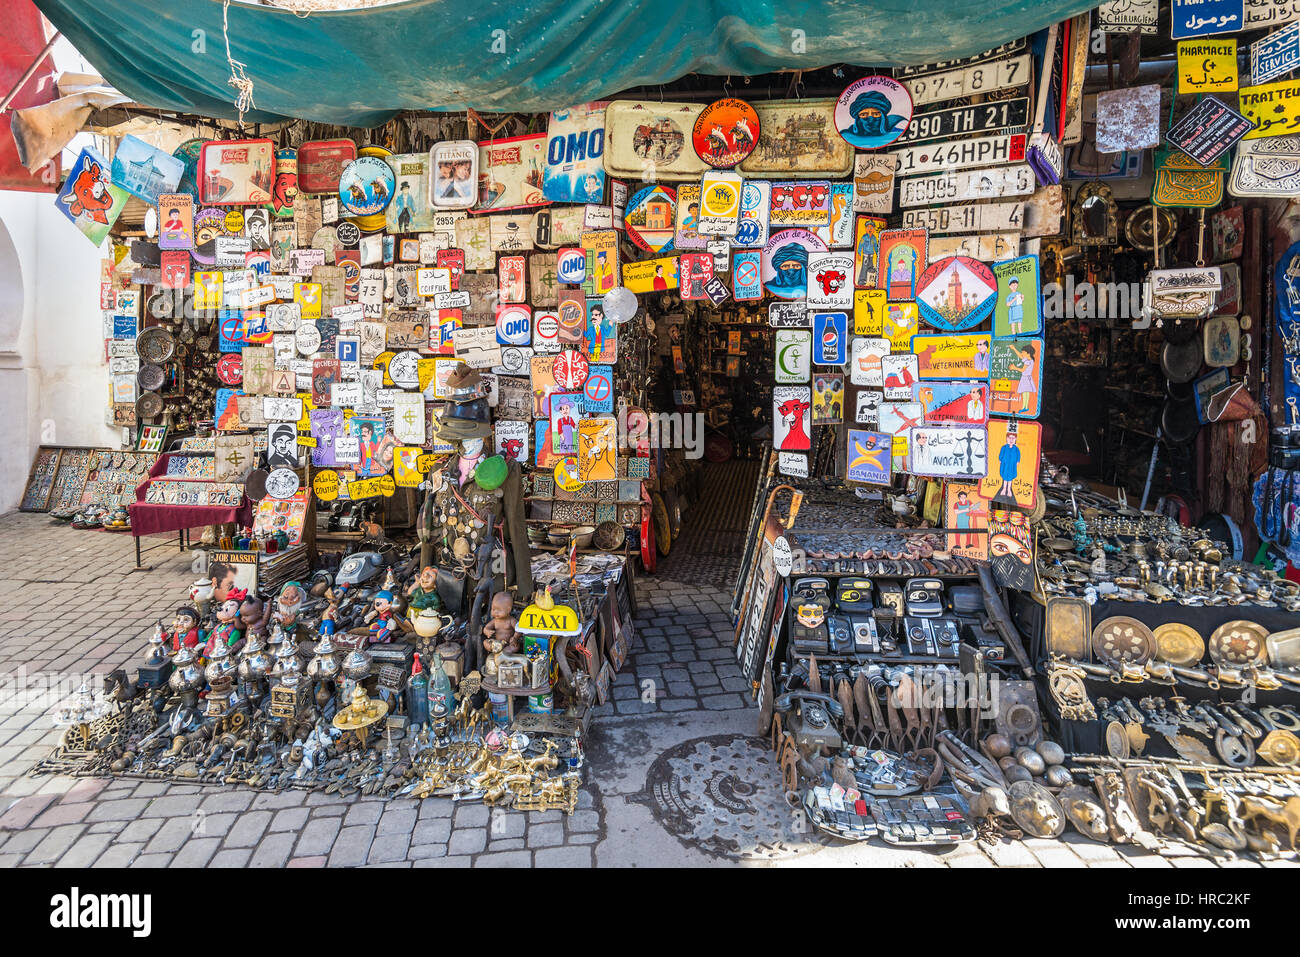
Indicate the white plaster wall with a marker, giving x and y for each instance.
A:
(53, 380)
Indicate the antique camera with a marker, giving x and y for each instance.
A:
(924, 597)
(891, 596)
(840, 634)
(809, 602)
(917, 636)
(853, 595)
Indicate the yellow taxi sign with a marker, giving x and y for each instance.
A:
(560, 620)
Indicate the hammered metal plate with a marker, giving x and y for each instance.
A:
(1179, 644)
(1284, 648)
(1068, 629)
(150, 377)
(155, 345)
(1123, 639)
(1239, 643)
(149, 404)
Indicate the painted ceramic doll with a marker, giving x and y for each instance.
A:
(228, 628)
(423, 592)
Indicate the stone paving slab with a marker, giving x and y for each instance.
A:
(676, 777)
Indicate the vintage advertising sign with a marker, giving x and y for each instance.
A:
(839, 233)
(1016, 377)
(962, 356)
(828, 398)
(902, 260)
(956, 293)
(510, 173)
(804, 204)
(651, 275)
(967, 81)
(686, 232)
(597, 449)
(948, 451)
(866, 354)
(1009, 115)
(410, 211)
(575, 155)
(694, 270)
(948, 402)
(873, 112)
(1019, 309)
(719, 203)
(1207, 66)
(961, 154)
(1013, 454)
(1199, 18)
(899, 371)
(965, 512)
(969, 218)
(1275, 55)
(1209, 130)
(89, 197)
(830, 283)
(791, 418)
(601, 248)
(830, 335)
(236, 172)
(870, 458)
(725, 132)
(873, 183)
(899, 325)
(176, 221)
(1274, 108)
(785, 262)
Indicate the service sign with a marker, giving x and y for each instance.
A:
(1275, 55)
(962, 120)
(961, 154)
(746, 275)
(793, 356)
(1201, 18)
(793, 464)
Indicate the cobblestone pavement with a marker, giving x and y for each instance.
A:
(676, 777)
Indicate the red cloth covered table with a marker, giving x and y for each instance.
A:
(150, 519)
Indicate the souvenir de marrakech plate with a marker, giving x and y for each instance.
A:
(366, 188)
(1179, 644)
(1238, 643)
(873, 112)
(1123, 639)
(725, 132)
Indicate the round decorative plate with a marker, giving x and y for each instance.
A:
(150, 377)
(1280, 747)
(1117, 743)
(1238, 643)
(161, 306)
(1121, 638)
(149, 405)
(873, 112)
(725, 132)
(230, 368)
(1179, 644)
(155, 345)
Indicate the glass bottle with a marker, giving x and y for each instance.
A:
(417, 694)
(440, 686)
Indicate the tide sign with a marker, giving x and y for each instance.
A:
(514, 325)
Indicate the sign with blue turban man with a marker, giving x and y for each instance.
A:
(785, 262)
(873, 112)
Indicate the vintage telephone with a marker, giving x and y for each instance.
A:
(812, 718)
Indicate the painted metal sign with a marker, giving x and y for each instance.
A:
(793, 356)
(1201, 18)
(956, 293)
(949, 451)
(980, 78)
(755, 205)
(1275, 55)
(1207, 66)
(1209, 130)
(1124, 16)
(961, 120)
(1274, 108)
(962, 154)
(1268, 167)
(969, 218)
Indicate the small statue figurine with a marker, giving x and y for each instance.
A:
(227, 629)
(185, 628)
(384, 619)
(423, 592)
(499, 633)
(253, 616)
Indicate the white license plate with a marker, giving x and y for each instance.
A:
(961, 154)
(1015, 180)
(963, 120)
(968, 218)
(989, 249)
(980, 78)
